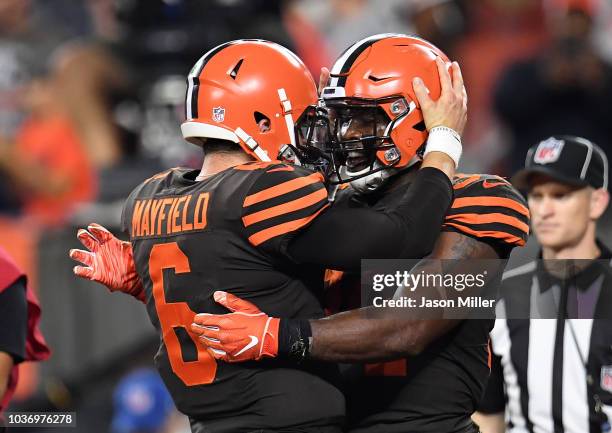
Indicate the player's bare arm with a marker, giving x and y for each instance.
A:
(352, 336)
(490, 423)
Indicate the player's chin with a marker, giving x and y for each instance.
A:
(551, 238)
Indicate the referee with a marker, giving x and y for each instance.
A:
(555, 375)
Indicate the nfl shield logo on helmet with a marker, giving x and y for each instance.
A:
(606, 378)
(218, 114)
(548, 151)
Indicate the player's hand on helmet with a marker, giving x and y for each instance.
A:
(245, 334)
(108, 261)
(450, 109)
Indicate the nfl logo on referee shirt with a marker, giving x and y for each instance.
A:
(606, 378)
(218, 114)
(548, 151)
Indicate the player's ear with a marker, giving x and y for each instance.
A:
(600, 198)
(263, 122)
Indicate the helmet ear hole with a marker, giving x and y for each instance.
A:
(263, 121)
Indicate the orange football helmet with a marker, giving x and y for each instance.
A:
(235, 85)
(372, 81)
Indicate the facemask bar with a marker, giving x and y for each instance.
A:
(314, 134)
(339, 148)
(311, 137)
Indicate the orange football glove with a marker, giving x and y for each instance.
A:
(245, 334)
(109, 261)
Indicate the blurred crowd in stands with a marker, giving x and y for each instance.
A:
(92, 93)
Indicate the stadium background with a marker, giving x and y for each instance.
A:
(91, 98)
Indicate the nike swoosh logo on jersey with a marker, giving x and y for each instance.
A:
(493, 184)
(254, 341)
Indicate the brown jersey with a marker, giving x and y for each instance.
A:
(439, 389)
(229, 232)
(489, 208)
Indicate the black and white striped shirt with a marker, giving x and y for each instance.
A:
(538, 373)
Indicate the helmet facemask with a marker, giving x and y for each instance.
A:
(353, 135)
(311, 140)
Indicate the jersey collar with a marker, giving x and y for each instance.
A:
(582, 279)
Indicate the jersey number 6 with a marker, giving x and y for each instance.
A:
(177, 315)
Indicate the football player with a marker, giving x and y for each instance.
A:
(235, 224)
(376, 135)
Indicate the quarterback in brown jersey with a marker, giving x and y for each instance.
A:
(375, 139)
(250, 225)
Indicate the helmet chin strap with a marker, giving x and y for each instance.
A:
(287, 151)
(252, 144)
(371, 182)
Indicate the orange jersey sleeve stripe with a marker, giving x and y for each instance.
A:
(332, 276)
(475, 218)
(398, 367)
(465, 182)
(160, 175)
(490, 201)
(255, 166)
(281, 229)
(509, 238)
(284, 208)
(285, 168)
(283, 188)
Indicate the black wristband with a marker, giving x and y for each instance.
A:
(294, 339)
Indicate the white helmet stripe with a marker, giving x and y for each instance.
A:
(193, 80)
(188, 103)
(286, 104)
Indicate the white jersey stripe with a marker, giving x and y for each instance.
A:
(540, 373)
(575, 409)
(501, 343)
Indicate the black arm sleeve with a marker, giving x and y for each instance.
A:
(14, 320)
(341, 237)
(494, 400)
